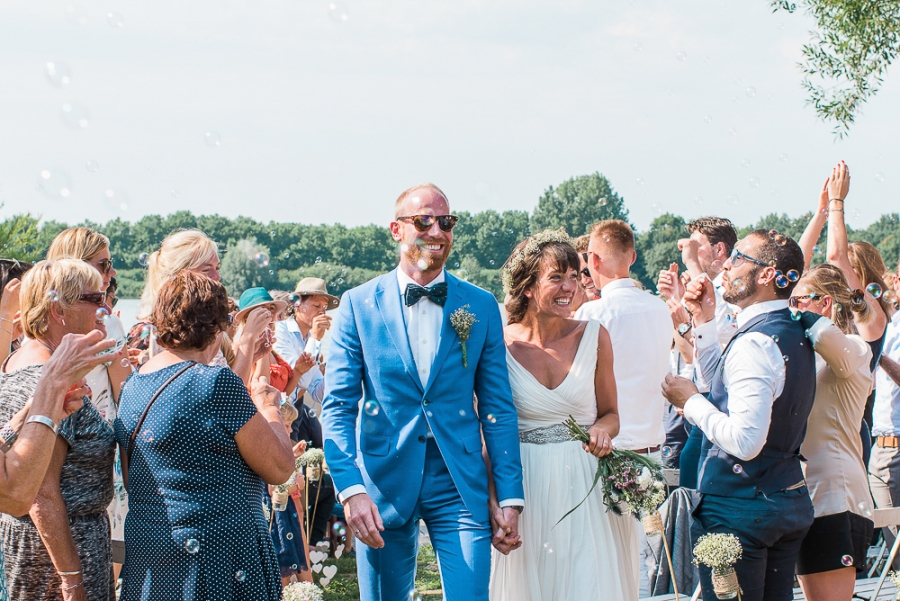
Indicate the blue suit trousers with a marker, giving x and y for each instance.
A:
(462, 544)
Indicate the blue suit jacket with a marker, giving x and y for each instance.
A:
(370, 359)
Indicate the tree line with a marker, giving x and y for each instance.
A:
(278, 255)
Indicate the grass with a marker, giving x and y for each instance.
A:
(345, 587)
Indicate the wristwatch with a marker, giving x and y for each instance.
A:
(518, 508)
(684, 328)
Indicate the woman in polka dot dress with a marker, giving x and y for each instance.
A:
(195, 528)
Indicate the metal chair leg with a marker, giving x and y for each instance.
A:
(887, 567)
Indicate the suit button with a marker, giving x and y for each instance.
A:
(421, 439)
(424, 402)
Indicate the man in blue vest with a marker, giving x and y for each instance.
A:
(762, 388)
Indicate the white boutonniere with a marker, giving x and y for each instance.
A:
(462, 321)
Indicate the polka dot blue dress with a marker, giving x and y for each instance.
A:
(195, 529)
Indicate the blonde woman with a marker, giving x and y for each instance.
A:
(92, 247)
(192, 250)
(837, 542)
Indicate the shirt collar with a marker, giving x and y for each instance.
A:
(291, 325)
(404, 280)
(758, 309)
(619, 283)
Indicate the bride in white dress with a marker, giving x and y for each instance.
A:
(558, 367)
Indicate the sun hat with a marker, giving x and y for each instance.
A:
(255, 297)
(316, 287)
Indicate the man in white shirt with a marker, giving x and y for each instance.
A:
(641, 333)
(762, 389)
(884, 465)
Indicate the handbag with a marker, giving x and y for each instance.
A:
(126, 456)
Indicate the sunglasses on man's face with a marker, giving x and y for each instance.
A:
(423, 223)
(95, 298)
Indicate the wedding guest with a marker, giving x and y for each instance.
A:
(641, 332)
(192, 250)
(584, 274)
(304, 333)
(307, 430)
(268, 363)
(27, 440)
(11, 272)
(837, 542)
(196, 463)
(106, 381)
(558, 367)
(750, 478)
(61, 549)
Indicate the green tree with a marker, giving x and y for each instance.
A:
(845, 61)
(578, 203)
(19, 236)
(657, 249)
(245, 265)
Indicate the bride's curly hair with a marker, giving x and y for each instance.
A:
(523, 267)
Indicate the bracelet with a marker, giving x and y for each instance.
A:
(835, 210)
(8, 436)
(71, 573)
(42, 419)
(835, 200)
(73, 587)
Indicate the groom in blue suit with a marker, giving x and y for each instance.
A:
(415, 450)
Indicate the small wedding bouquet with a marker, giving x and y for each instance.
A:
(302, 591)
(631, 482)
(720, 552)
(312, 460)
(280, 494)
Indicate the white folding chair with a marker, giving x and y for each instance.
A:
(884, 518)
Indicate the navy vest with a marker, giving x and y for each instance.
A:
(778, 465)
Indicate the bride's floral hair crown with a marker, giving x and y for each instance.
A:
(533, 246)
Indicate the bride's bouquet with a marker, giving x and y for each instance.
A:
(631, 482)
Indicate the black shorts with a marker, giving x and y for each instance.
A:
(835, 541)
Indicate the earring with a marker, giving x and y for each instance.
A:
(63, 321)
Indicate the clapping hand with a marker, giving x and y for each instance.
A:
(700, 300)
(669, 284)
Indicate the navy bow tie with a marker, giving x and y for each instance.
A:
(437, 294)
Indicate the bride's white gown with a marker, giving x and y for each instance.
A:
(586, 556)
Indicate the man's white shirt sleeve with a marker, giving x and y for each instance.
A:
(754, 378)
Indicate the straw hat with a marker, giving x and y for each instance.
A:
(316, 287)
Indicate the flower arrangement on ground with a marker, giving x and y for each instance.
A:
(302, 591)
(720, 551)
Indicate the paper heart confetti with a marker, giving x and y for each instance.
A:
(338, 552)
(317, 568)
(329, 571)
(317, 556)
(324, 581)
(323, 545)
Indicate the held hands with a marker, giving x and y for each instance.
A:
(364, 520)
(601, 443)
(678, 390)
(505, 527)
(700, 300)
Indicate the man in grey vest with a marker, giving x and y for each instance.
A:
(762, 388)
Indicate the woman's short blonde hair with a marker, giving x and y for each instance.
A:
(48, 282)
(187, 249)
(81, 243)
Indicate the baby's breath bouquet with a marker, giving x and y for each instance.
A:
(312, 460)
(302, 591)
(631, 482)
(720, 552)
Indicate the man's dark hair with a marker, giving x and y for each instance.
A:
(781, 252)
(716, 229)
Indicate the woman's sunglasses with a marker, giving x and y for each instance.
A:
(95, 298)
(794, 301)
(423, 223)
(105, 265)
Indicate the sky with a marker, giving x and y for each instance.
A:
(321, 112)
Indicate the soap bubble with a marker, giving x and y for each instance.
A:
(793, 275)
(115, 199)
(753, 182)
(732, 132)
(261, 259)
(53, 295)
(114, 20)
(338, 12)
(463, 274)
(422, 264)
(775, 337)
(213, 139)
(240, 575)
(666, 452)
(102, 313)
(174, 193)
(817, 250)
(682, 56)
(874, 289)
(738, 468)
(745, 163)
(75, 115)
(148, 436)
(491, 418)
(698, 200)
(318, 260)
(58, 73)
(783, 158)
(847, 560)
(54, 183)
(414, 595)
(733, 200)
(864, 509)
(638, 47)
(750, 92)
(371, 408)
(92, 166)
(143, 259)
(879, 177)
(192, 546)
(795, 315)
(289, 536)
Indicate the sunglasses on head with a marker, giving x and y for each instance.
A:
(423, 223)
(794, 301)
(95, 298)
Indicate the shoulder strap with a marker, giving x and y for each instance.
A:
(126, 460)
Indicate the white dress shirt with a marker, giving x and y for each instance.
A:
(290, 343)
(641, 333)
(886, 412)
(753, 376)
(423, 325)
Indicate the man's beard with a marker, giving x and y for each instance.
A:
(425, 260)
(740, 289)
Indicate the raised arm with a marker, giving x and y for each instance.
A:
(814, 228)
(845, 355)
